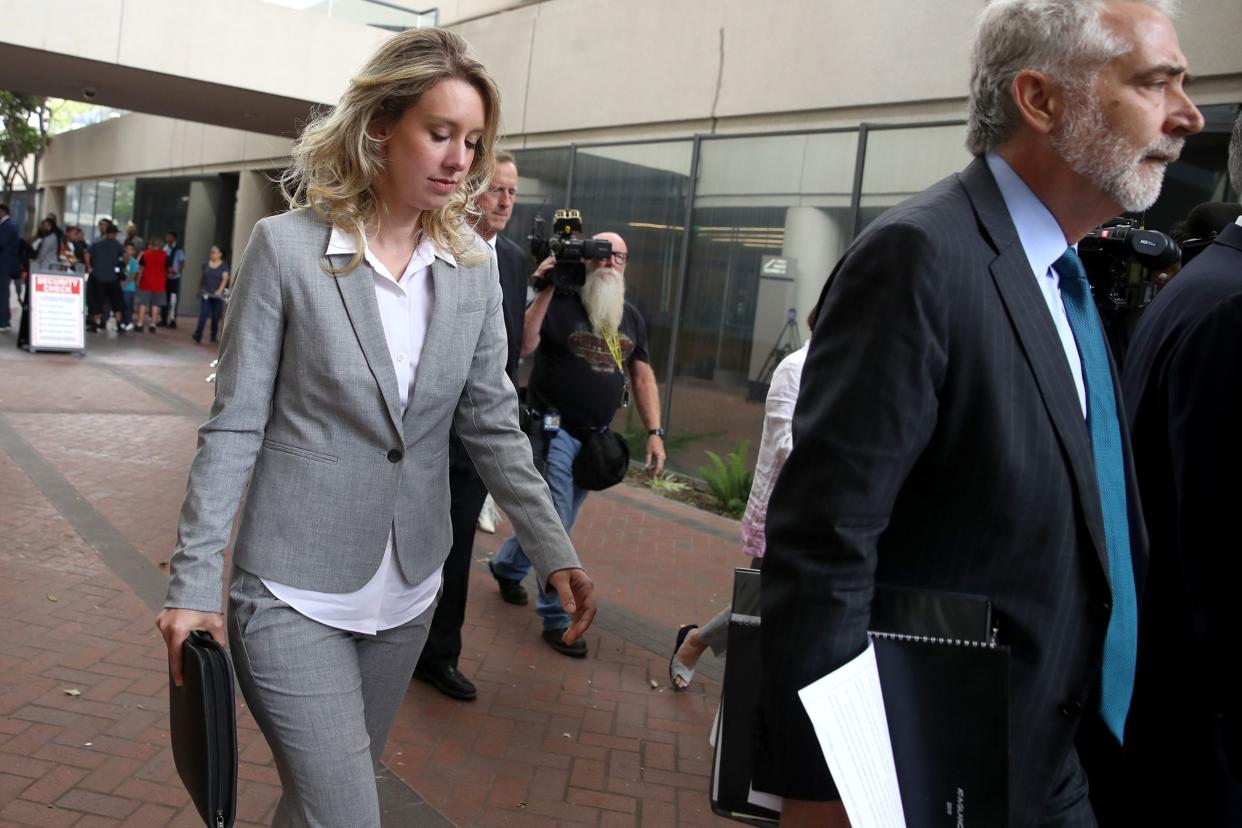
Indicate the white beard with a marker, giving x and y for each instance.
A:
(603, 296)
(1107, 159)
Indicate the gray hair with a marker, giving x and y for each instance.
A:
(1064, 39)
(1235, 157)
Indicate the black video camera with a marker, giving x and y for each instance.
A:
(1121, 259)
(571, 253)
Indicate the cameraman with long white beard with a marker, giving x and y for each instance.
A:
(591, 358)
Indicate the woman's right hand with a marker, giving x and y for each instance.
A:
(177, 624)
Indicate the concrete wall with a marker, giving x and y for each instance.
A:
(150, 145)
(590, 70)
(241, 43)
(603, 70)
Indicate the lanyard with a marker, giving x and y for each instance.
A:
(612, 338)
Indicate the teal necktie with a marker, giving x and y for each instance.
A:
(1120, 642)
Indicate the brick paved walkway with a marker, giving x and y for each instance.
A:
(93, 457)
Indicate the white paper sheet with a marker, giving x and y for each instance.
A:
(846, 708)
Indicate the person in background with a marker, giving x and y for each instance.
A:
(132, 237)
(151, 297)
(590, 348)
(211, 293)
(75, 247)
(774, 447)
(437, 665)
(103, 289)
(46, 245)
(175, 262)
(129, 285)
(10, 263)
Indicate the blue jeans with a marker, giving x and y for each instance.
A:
(127, 310)
(209, 306)
(511, 562)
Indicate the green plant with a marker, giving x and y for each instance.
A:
(667, 482)
(730, 482)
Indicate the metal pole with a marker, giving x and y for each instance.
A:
(683, 274)
(569, 181)
(860, 159)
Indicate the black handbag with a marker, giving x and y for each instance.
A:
(602, 461)
(203, 726)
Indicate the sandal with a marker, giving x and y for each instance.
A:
(677, 670)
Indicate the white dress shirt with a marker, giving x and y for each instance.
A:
(388, 600)
(1044, 242)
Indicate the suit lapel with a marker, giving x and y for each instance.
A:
(1011, 271)
(357, 289)
(445, 287)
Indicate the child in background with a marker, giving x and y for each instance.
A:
(129, 285)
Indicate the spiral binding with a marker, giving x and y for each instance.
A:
(931, 639)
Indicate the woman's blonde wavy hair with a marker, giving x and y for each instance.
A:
(336, 162)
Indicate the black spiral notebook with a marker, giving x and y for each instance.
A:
(945, 688)
(203, 724)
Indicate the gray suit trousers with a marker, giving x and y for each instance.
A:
(325, 699)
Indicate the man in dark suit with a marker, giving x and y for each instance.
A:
(10, 263)
(1184, 403)
(957, 427)
(438, 663)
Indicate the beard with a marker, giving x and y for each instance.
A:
(1107, 159)
(603, 296)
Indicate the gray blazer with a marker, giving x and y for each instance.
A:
(306, 397)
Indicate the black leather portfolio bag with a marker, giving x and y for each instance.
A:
(203, 723)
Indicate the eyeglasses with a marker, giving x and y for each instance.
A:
(618, 257)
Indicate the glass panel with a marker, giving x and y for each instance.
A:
(161, 204)
(86, 212)
(770, 218)
(123, 203)
(103, 202)
(543, 177)
(902, 162)
(1200, 174)
(639, 191)
(73, 197)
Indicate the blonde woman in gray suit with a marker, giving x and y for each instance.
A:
(365, 322)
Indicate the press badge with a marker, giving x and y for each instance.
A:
(552, 421)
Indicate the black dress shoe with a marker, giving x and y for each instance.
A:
(553, 639)
(510, 590)
(448, 680)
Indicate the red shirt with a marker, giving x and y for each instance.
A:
(154, 265)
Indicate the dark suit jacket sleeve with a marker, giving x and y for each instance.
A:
(9, 244)
(514, 267)
(867, 408)
(1205, 414)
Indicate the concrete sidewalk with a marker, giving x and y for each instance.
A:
(93, 460)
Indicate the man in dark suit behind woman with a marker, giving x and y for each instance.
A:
(438, 663)
(957, 427)
(1184, 403)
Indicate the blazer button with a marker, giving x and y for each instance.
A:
(395, 456)
(1071, 709)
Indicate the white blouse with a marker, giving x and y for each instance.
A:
(388, 600)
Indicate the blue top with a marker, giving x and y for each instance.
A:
(213, 276)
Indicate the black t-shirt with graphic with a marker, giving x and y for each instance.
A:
(574, 371)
